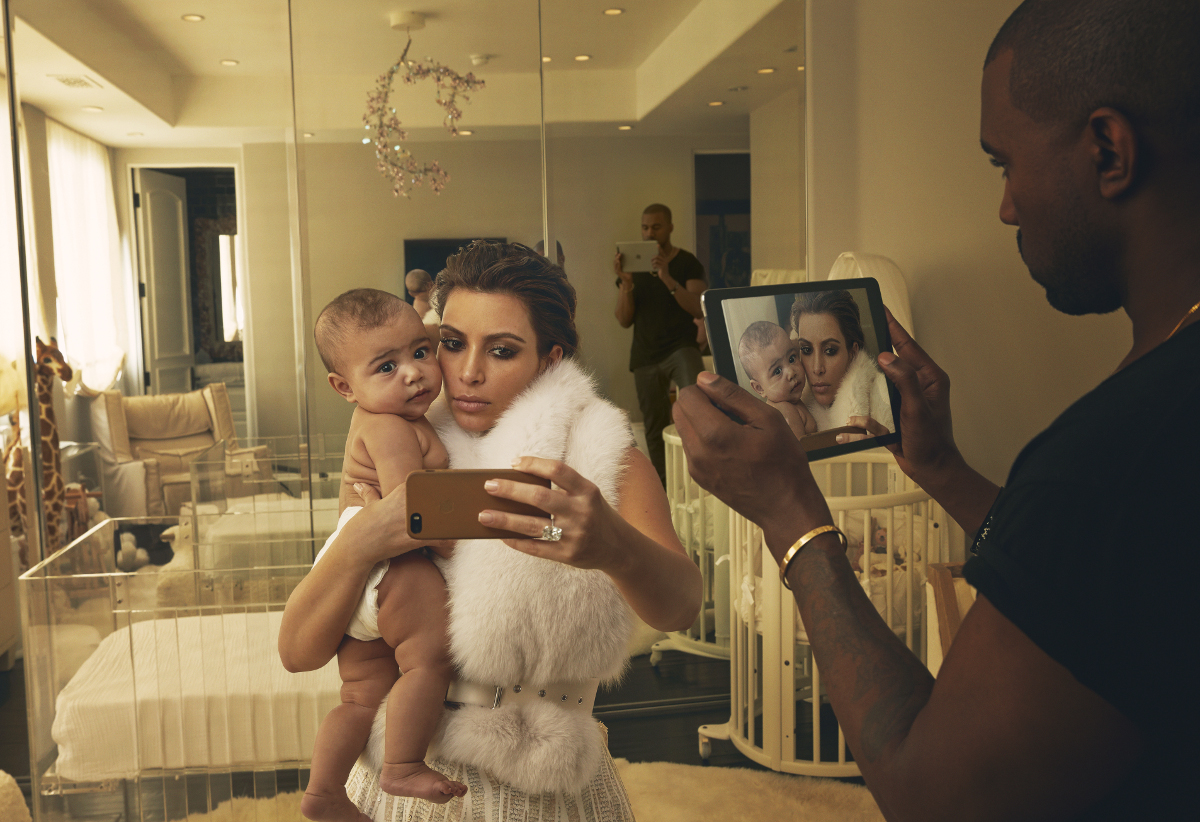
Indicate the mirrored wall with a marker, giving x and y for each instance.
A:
(248, 182)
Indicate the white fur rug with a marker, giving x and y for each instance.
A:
(666, 792)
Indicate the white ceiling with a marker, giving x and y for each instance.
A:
(160, 81)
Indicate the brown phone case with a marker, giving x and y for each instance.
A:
(445, 503)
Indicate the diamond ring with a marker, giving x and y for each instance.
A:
(551, 533)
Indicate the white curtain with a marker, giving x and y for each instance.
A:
(12, 344)
(87, 267)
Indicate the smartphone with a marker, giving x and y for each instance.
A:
(445, 503)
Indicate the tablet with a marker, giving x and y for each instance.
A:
(813, 347)
(637, 256)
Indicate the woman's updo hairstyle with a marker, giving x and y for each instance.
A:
(511, 268)
(838, 303)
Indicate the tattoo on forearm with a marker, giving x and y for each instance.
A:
(876, 685)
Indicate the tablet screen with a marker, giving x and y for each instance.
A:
(809, 350)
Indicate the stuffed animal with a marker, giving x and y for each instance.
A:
(131, 557)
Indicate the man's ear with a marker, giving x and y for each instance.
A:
(341, 386)
(758, 389)
(1113, 145)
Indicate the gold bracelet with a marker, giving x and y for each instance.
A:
(794, 551)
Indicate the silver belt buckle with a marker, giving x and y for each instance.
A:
(499, 693)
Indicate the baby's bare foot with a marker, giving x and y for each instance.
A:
(330, 807)
(418, 780)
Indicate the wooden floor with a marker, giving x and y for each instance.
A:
(652, 717)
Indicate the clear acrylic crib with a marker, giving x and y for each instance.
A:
(158, 695)
(779, 716)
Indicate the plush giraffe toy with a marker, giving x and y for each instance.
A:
(50, 364)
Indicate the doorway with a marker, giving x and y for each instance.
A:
(723, 217)
(191, 284)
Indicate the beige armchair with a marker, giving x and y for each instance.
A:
(148, 444)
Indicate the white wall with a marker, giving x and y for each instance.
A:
(356, 229)
(777, 183)
(272, 367)
(895, 168)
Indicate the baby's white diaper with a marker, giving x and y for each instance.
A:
(364, 624)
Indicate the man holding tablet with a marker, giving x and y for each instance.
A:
(662, 305)
(1069, 691)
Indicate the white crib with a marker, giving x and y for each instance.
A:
(702, 523)
(775, 686)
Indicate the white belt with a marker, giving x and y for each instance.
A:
(570, 696)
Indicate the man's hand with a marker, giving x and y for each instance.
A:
(619, 269)
(927, 446)
(752, 461)
(926, 451)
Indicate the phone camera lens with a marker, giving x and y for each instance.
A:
(414, 523)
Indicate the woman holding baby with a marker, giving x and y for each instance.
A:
(845, 387)
(536, 622)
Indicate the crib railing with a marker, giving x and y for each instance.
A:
(702, 523)
(779, 714)
(184, 736)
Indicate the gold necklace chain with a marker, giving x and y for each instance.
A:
(1179, 325)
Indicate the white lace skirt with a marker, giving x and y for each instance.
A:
(603, 799)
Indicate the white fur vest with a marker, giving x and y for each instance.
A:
(863, 392)
(519, 619)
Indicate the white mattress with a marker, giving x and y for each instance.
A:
(192, 692)
(225, 537)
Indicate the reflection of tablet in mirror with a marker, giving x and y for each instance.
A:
(812, 346)
(637, 256)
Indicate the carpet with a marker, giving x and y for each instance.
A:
(667, 792)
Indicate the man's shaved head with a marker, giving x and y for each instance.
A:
(1140, 57)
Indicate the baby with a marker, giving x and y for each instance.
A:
(379, 357)
(772, 361)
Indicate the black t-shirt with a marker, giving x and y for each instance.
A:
(660, 326)
(1091, 550)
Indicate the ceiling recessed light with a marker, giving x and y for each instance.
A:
(366, 141)
(583, 58)
(545, 59)
(614, 12)
(93, 109)
(229, 62)
(767, 70)
(309, 134)
(135, 134)
(799, 68)
(465, 132)
(193, 18)
(717, 103)
(624, 128)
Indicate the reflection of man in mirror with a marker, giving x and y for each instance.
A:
(662, 306)
(419, 285)
(540, 248)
